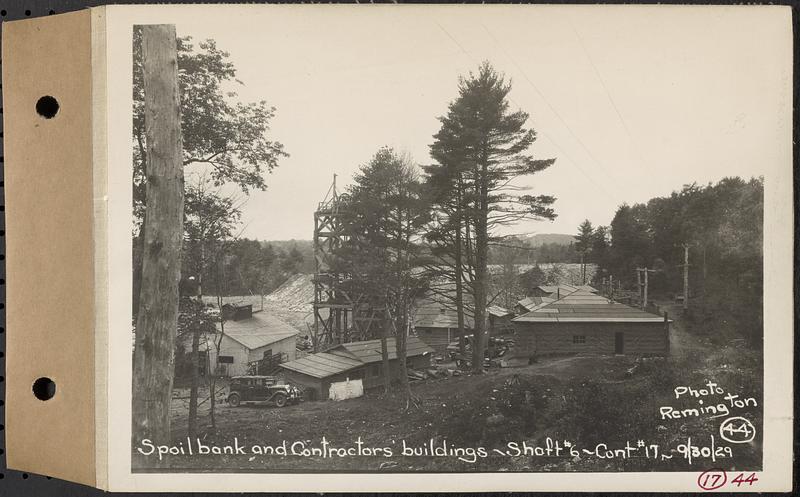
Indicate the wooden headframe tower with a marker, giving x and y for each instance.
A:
(339, 317)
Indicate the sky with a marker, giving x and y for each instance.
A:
(632, 102)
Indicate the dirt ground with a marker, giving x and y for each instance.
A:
(530, 402)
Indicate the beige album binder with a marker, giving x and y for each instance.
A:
(50, 193)
(400, 248)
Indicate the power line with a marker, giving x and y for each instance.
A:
(554, 111)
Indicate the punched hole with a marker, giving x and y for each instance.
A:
(44, 388)
(47, 107)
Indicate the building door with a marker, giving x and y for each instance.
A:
(619, 342)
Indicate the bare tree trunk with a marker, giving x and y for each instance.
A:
(214, 374)
(462, 346)
(195, 383)
(157, 320)
(401, 332)
(481, 261)
(387, 376)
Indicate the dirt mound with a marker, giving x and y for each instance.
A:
(295, 294)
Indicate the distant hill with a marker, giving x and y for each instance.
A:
(540, 239)
(288, 244)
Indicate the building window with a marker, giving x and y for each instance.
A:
(225, 359)
(442, 310)
(578, 338)
(268, 354)
(375, 369)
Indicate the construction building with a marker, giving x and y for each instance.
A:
(583, 322)
(252, 343)
(352, 361)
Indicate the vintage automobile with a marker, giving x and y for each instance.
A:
(262, 389)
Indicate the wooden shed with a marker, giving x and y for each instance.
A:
(251, 343)
(435, 321)
(355, 360)
(529, 304)
(587, 323)
(499, 321)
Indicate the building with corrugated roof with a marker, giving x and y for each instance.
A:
(583, 322)
(435, 321)
(529, 304)
(251, 342)
(353, 361)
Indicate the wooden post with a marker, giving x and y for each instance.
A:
(643, 291)
(685, 276)
(639, 281)
(644, 303)
(157, 320)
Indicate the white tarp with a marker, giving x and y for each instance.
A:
(349, 389)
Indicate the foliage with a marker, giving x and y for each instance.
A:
(596, 417)
(492, 415)
(723, 225)
(481, 151)
(584, 240)
(225, 138)
(531, 279)
(193, 317)
(386, 211)
(251, 267)
(225, 143)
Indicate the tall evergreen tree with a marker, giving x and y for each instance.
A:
(482, 146)
(386, 212)
(583, 244)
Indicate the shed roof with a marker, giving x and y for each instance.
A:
(563, 288)
(434, 312)
(531, 303)
(370, 350)
(585, 306)
(322, 364)
(497, 311)
(259, 330)
(347, 356)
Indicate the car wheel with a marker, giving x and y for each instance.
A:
(234, 400)
(280, 399)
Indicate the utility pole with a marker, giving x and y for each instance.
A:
(611, 286)
(646, 271)
(685, 266)
(639, 281)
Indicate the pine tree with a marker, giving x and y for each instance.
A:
(583, 244)
(386, 212)
(482, 147)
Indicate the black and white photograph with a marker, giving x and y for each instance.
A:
(452, 239)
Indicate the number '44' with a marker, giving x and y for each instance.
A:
(740, 479)
(743, 429)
